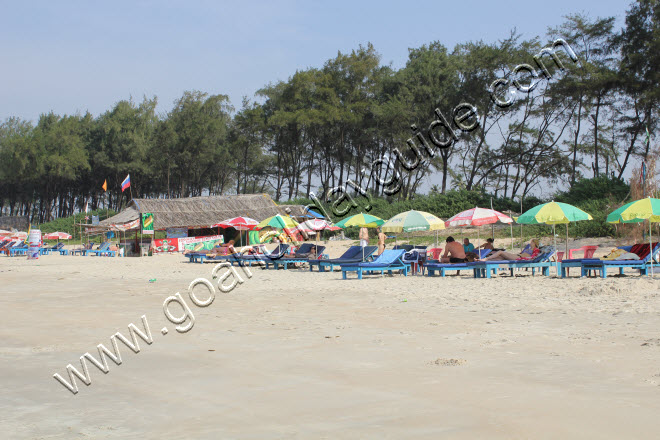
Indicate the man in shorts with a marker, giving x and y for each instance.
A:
(454, 252)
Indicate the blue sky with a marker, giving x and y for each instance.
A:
(72, 57)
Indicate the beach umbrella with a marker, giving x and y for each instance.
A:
(637, 212)
(21, 235)
(478, 217)
(411, 221)
(316, 225)
(361, 220)
(57, 236)
(554, 213)
(238, 223)
(278, 222)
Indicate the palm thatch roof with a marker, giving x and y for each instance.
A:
(197, 211)
(14, 222)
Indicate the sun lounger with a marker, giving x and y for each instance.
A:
(48, 250)
(262, 258)
(642, 264)
(103, 247)
(19, 249)
(443, 268)
(388, 261)
(577, 262)
(82, 251)
(483, 269)
(354, 254)
(293, 259)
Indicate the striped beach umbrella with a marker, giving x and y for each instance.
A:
(411, 221)
(57, 236)
(361, 220)
(278, 222)
(637, 212)
(238, 223)
(478, 217)
(554, 213)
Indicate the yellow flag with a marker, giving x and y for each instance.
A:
(105, 185)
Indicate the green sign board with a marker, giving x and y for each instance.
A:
(147, 223)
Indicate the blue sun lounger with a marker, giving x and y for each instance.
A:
(299, 257)
(577, 262)
(101, 250)
(602, 266)
(261, 259)
(20, 249)
(483, 269)
(48, 250)
(388, 261)
(353, 254)
(443, 268)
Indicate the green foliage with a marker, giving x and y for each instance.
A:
(598, 188)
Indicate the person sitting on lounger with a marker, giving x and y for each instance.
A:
(488, 244)
(223, 249)
(467, 246)
(454, 252)
(530, 252)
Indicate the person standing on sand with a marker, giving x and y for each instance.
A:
(381, 241)
(364, 237)
(454, 252)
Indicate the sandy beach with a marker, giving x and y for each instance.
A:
(294, 354)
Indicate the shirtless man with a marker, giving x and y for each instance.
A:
(381, 241)
(364, 237)
(454, 252)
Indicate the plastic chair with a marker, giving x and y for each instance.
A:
(560, 256)
(589, 251)
(434, 254)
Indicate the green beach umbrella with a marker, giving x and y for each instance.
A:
(279, 222)
(361, 220)
(637, 212)
(554, 213)
(410, 221)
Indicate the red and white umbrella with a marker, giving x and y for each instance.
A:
(239, 223)
(22, 235)
(317, 225)
(478, 217)
(57, 236)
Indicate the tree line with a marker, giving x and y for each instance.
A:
(326, 126)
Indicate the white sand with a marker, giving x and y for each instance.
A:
(309, 355)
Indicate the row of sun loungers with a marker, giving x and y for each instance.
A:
(362, 261)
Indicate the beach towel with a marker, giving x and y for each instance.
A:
(615, 254)
(627, 256)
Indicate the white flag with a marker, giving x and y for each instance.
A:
(86, 207)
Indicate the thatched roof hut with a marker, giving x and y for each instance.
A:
(14, 222)
(196, 212)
